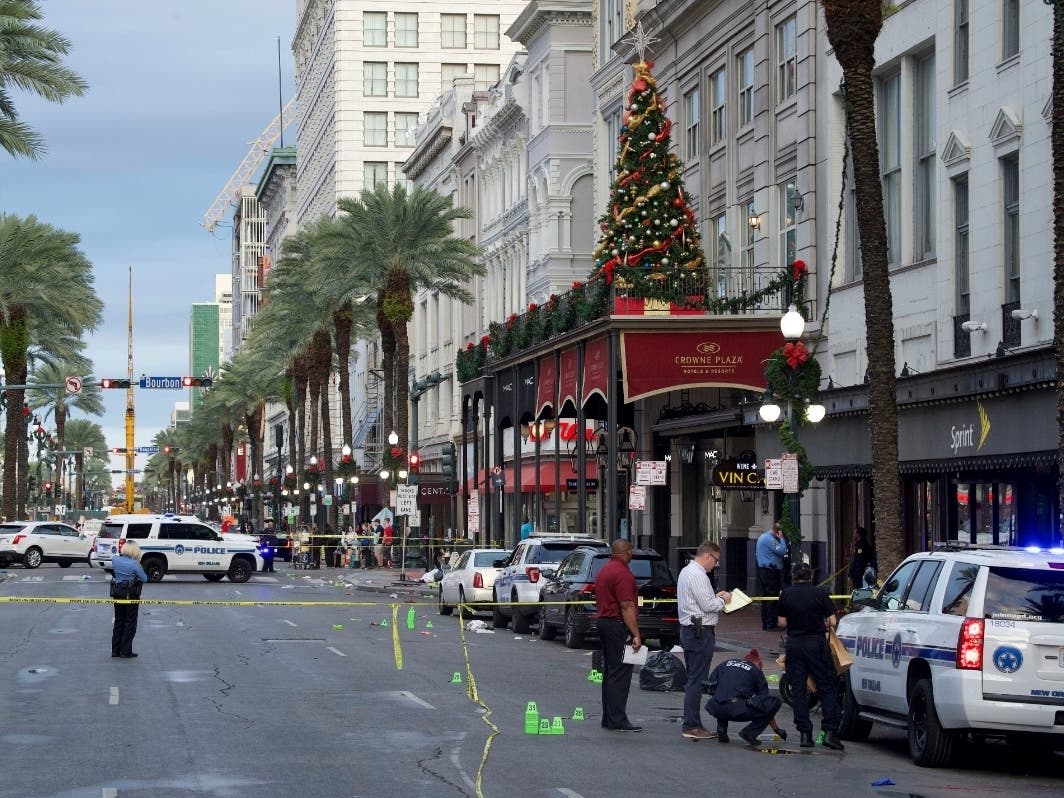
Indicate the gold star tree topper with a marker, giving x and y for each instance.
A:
(640, 40)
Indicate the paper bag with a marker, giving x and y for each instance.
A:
(839, 655)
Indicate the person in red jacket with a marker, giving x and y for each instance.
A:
(386, 541)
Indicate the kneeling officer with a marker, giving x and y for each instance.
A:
(740, 692)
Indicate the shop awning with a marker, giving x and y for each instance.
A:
(547, 470)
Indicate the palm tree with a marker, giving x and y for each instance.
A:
(46, 295)
(398, 243)
(81, 435)
(30, 60)
(852, 29)
(48, 393)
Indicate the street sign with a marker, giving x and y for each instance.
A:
(473, 522)
(414, 519)
(87, 451)
(651, 472)
(147, 450)
(166, 383)
(132, 471)
(406, 501)
(637, 497)
(327, 500)
(773, 473)
(790, 472)
(73, 384)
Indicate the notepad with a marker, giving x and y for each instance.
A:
(738, 600)
(636, 657)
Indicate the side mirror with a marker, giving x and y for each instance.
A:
(218, 537)
(863, 597)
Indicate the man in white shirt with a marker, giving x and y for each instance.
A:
(698, 607)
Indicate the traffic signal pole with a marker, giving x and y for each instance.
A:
(131, 446)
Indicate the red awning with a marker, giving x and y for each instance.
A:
(547, 471)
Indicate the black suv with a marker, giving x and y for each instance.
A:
(574, 581)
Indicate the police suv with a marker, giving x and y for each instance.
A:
(178, 544)
(960, 640)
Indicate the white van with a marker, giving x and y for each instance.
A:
(177, 544)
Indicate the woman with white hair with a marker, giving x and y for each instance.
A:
(126, 581)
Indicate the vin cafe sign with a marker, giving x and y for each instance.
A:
(735, 475)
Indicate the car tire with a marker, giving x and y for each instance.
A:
(574, 638)
(443, 608)
(521, 624)
(546, 631)
(852, 726)
(785, 693)
(498, 620)
(240, 571)
(33, 557)
(466, 610)
(214, 577)
(65, 563)
(930, 745)
(155, 568)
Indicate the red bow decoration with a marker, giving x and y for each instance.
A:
(795, 354)
(799, 270)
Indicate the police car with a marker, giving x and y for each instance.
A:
(178, 544)
(960, 640)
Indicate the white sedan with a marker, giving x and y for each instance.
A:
(34, 542)
(470, 580)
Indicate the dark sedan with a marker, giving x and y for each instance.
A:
(574, 581)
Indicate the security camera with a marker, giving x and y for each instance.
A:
(1022, 314)
(972, 326)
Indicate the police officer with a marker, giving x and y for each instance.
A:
(740, 692)
(806, 611)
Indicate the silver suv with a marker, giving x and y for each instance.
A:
(516, 591)
(961, 640)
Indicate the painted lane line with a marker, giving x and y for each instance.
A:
(109, 792)
(419, 701)
(113, 698)
(569, 793)
(336, 651)
(290, 623)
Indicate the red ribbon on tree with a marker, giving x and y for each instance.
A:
(795, 354)
(799, 270)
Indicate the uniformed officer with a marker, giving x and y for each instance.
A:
(740, 692)
(806, 611)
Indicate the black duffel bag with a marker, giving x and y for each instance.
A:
(129, 589)
(662, 672)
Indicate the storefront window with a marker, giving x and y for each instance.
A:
(986, 513)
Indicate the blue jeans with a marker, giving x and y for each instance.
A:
(697, 654)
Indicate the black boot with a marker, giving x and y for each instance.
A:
(722, 734)
(807, 739)
(832, 741)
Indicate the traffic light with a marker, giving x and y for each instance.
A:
(107, 382)
(449, 465)
(170, 450)
(196, 382)
(118, 450)
(413, 461)
(32, 484)
(48, 489)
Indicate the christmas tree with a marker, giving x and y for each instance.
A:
(649, 229)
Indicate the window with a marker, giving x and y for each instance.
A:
(717, 103)
(786, 59)
(453, 31)
(746, 87)
(890, 157)
(748, 246)
(375, 28)
(405, 125)
(1010, 28)
(485, 76)
(960, 245)
(690, 115)
(406, 80)
(611, 27)
(406, 29)
(401, 179)
(138, 531)
(374, 173)
(718, 235)
(1010, 195)
(788, 225)
(448, 72)
(960, 41)
(918, 598)
(375, 79)
(486, 31)
(1024, 594)
(613, 130)
(890, 596)
(375, 133)
(924, 111)
(855, 266)
(959, 588)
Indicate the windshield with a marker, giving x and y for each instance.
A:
(552, 552)
(485, 559)
(110, 531)
(651, 569)
(1025, 594)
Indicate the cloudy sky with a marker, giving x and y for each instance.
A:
(178, 90)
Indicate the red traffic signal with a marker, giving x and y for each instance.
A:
(196, 382)
(169, 449)
(413, 460)
(107, 382)
(47, 487)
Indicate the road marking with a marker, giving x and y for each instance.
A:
(266, 579)
(109, 792)
(569, 793)
(290, 623)
(415, 699)
(336, 651)
(113, 699)
(85, 578)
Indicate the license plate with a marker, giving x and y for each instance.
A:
(639, 602)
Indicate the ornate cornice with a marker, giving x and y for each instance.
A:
(540, 14)
(424, 155)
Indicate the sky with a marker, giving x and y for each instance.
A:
(178, 89)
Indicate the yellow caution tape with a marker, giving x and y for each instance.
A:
(396, 645)
(471, 691)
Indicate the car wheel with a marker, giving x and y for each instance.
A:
(546, 631)
(466, 610)
(521, 622)
(64, 563)
(498, 620)
(33, 557)
(574, 638)
(155, 568)
(213, 577)
(240, 571)
(930, 745)
(443, 608)
(812, 698)
(852, 726)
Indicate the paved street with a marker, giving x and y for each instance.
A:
(231, 700)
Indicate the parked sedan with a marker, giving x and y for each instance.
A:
(574, 581)
(34, 542)
(470, 580)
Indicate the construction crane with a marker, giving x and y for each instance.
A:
(259, 148)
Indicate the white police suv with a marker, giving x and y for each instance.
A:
(178, 544)
(960, 640)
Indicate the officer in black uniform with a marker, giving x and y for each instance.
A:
(806, 611)
(740, 692)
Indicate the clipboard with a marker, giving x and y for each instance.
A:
(738, 600)
(634, 657)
